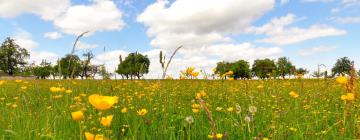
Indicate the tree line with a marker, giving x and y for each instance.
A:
(135, 66)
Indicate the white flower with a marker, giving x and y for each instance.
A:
(189, 119)
(252, 109)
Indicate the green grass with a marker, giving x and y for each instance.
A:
(318, 112)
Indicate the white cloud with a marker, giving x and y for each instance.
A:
(53, 35)
(24, 40)
(278, 32)
(102, 15)
(324, 1)
(314, 50)
(282, 2)
(347, 20)
(46, 9)
(80, 45)
(205, 23)
(348, 3)
(204, 32)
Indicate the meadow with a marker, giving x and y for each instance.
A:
(177, 109)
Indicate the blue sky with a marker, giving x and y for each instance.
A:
(309, 32)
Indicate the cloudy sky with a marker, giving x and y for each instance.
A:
(309, 32)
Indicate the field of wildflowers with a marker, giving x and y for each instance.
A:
(179, 109)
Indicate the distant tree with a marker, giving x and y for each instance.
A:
(263, 68)
(342, 66)
(222, 67)
(69, 66)
(43, 71)
(284, 67)
(86, 67)
(318, 74)
(103, 72)
(12, 56)
(301, 71)
(134, 65)
(241, 69)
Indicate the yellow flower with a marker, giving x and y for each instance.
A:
(77, 116)
(124, 110)
(106, 121)
(231, 79)
(265, 138)
(195, 74)
(195, 106)
(219, 109)
(260, 87)
(68, 91)
(89, 136)
(348, 97)
(294, 94)
(2, 82)
(190, 70)
(230, 109)
(342, 80)
(218, 136)
(18, 81)
(56, 89)
(195, 110)
(142, 112)
(99, 137)
(229, 73)
(23, 87)
(102, 102)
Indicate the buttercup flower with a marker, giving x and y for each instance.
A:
(77, 116)
(102, 102)
(106, 121)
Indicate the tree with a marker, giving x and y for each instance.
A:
(104, 73)
(222, 67)
(134, 65)
(342, 66)
(301, 71)
(69, 66)
(241, 69)
(284, 67)
(43, 71)
(263, 68)
(12, 56)
(86, 67)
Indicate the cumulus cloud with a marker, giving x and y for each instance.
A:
(347, 20)
(205, 32)
(24, 40)
(53, 35)
(279, 33)
(101, 15)
(46, 9)
(80, 45)
(315, 50)
(205, 23)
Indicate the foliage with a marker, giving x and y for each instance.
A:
(285, 67)
(342, 66)
(69, 66)
(12, 56)
(263, 68)
(43, 71)
(134, 65)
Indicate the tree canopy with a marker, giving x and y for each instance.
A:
(263, 68)
(342, 66)
(12, 56)
(134, 65)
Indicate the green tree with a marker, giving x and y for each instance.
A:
(12, 56)
(301, 71)
(284, 67)
(69, 66)
(134, 65)
(86, 67)
(43, 71)
(222, 67)
(263, 68)
(342, 66)
(241, 69)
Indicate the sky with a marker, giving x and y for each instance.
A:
(309, 32)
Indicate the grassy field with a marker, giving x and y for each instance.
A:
(177, 109)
